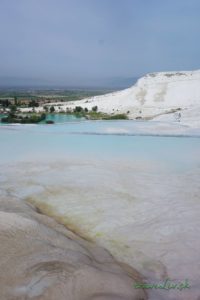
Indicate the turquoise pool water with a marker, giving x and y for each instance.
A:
(56, 118)
(98, 140)
(61, 118)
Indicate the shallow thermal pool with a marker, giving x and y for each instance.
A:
(135, 194)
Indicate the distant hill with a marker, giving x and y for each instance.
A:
(106, 83)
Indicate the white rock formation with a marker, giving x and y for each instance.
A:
(173, 95)
(43, 260)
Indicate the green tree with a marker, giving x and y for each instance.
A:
(78, 109)
(13, 110)
(15, 100)
(46, 108)
(33, 103)
(95, 108)
(52, 109)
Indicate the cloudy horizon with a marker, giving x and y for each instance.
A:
(96, 43)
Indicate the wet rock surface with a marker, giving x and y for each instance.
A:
(41, 259)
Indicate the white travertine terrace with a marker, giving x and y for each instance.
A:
(40, 259)
(155, 96)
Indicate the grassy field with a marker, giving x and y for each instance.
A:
(51, 94)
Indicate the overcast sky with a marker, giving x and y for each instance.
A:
(86, 42)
